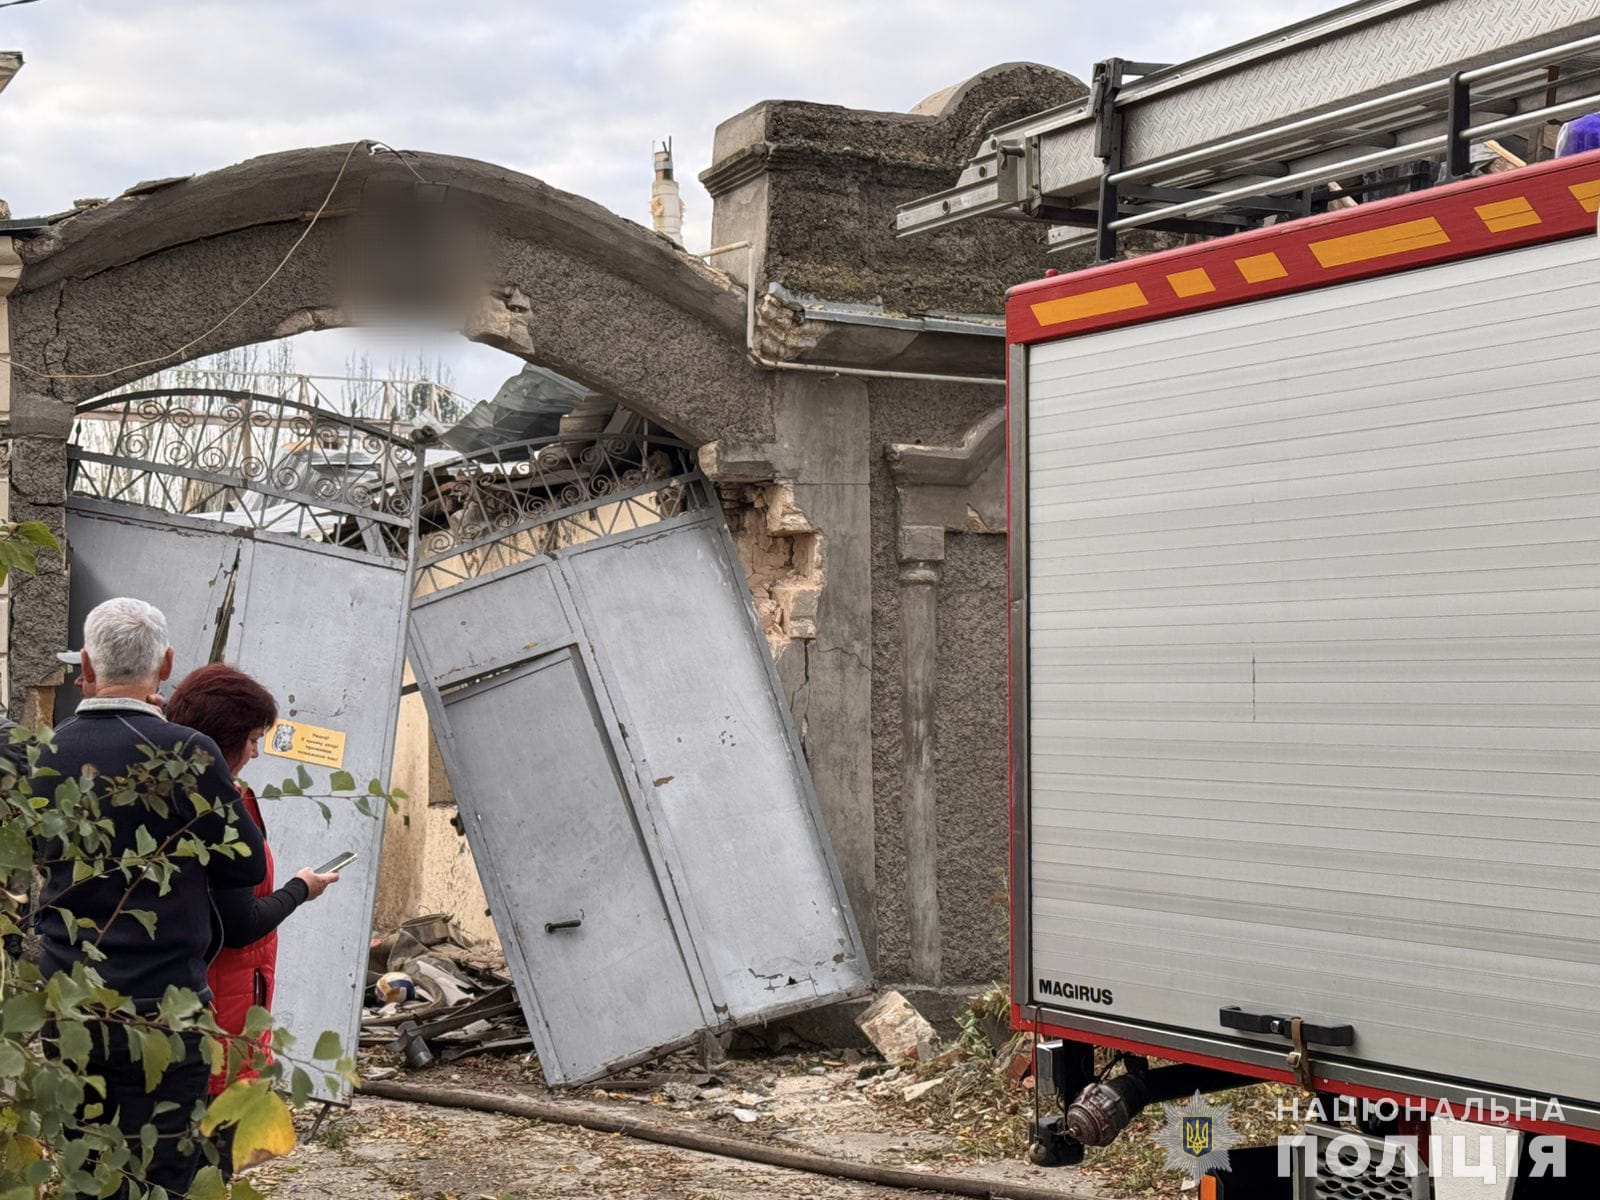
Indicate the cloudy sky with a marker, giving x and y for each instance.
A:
(115, 91)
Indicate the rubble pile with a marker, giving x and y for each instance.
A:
(433, 996)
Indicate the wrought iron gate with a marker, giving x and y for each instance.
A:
(277, 537)
(629, 777)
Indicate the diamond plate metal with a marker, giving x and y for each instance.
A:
(1415, 46)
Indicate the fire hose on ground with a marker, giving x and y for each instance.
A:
(710, 1143)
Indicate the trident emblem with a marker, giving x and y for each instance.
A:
(1197, 1136)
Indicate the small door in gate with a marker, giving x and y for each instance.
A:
(277, 540)
(577, 889)
(622, 752)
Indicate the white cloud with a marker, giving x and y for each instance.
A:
(572, 93)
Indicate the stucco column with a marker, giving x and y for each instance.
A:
(921, 568)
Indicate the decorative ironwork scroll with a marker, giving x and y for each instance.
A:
(244, 458)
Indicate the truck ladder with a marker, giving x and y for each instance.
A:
(1259, 131)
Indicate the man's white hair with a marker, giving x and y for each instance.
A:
(125, 640)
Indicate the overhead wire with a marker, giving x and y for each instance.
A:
(11, 361)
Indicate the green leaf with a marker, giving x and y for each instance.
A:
(302, 777)
(257, 1021)
(15, 852)
(75, 1041)
(146, 918)
(155, 1052)
(374, 788)
(178, 1006)
(300, 1087)
(328, 1045)
(13, 1060)
(23, 1013)
(243, 1189)
(342, 781)
(38, 533)
(208, 1185)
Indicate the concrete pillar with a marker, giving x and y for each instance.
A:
(38, 626)
(921, 568)
(823, 445)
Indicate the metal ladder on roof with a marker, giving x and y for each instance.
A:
(1377, 96)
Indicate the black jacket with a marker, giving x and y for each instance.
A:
(113, 736)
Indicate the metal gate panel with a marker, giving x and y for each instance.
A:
(115, 553)
(276, 538)
(669, 615)
(626, 537)
(573, 892)
(306, 630)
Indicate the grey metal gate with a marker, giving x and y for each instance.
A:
(277, 537)
(629, 777)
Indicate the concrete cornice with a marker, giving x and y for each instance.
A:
(10, 64)
(951, 466)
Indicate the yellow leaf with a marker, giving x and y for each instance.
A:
(17, 1154)
(263, 1127)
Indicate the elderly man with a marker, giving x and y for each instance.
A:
(125, 658)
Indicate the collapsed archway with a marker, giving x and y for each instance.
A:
(345, 236)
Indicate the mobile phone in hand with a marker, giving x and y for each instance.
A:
(337, 864)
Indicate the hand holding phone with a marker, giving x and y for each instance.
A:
(337, 864)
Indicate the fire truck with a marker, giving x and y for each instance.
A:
(1304, 521)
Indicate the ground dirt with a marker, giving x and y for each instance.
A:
(855, 1111)
(963, 1117)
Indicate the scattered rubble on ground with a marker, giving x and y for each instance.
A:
(959, 1106)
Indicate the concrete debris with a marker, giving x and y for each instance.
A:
(918, 1090)
(746, 1116)
(896, 1029)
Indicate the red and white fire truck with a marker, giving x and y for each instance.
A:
(1305, 636)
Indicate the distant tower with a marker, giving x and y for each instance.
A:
(666, 206)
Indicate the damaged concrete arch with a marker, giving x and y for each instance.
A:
(109, 291)
(550, 277)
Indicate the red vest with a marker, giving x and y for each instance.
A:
(243, 977)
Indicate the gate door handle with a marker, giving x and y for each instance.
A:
(569, 923)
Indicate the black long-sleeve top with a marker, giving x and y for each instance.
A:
(247, 918)
(114, 736)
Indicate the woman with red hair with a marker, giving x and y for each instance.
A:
(235, 711)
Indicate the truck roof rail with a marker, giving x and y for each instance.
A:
(1376, 97)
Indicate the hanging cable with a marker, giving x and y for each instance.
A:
(10, 361)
